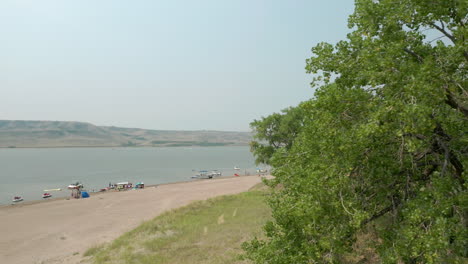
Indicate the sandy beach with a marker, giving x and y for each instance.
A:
(60, 231)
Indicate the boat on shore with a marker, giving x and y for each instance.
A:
(50, 190)
(203, 174)
(17, 199)
(75, 186)
(214, 173)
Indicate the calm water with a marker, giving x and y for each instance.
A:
(27, 172)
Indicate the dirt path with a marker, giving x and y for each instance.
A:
(61, 231)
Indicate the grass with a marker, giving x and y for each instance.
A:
(209, 231)
(92, 251)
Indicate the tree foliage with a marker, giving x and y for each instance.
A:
(383, 145)
(275, 132)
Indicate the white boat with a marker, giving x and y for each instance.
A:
(46, 195)
(236, 168)
(50, 190)
(203, 174)
(17, 199)
(214, 173)
(75, 186)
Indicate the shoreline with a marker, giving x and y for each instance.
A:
(60, 231)
(119, 146)
(52, 199)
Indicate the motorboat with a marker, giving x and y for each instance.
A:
(46, 195)
(50, 190)
(75, 186)
(236, 168)
(17, 199)
(203, 174)
(214, 173)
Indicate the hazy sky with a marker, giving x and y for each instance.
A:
(170, 64)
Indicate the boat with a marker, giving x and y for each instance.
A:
(75, 186)
(50, 190)
(122, 186)
(203, 174)
(214, 173)
(46, 195)
(17, 199)
(236, 168)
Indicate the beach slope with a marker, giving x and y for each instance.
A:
(60, 231)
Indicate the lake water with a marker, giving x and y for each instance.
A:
(28, 172)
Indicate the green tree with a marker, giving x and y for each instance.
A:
(275, 132)
(383, 148)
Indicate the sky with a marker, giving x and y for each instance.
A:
(168, 65)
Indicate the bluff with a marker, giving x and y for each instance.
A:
(19, 133)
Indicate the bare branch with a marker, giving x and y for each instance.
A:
(442, 29)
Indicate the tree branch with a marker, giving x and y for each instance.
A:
(344, 207)
(382, 212)
(418, 136)
(449, 155)
(442, 29)
(450, 100)
(395, 199)
(414, 54)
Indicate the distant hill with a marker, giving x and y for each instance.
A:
(16, 133)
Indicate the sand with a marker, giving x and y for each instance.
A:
(60, 231)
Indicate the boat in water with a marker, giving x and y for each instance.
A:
(17, 199)
(46, 195)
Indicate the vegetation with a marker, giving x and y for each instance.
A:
(204, 232)
(382, 148)
(275, 132)
(129, 144)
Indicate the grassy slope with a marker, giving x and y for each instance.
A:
(210, 231)
(17, 133)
